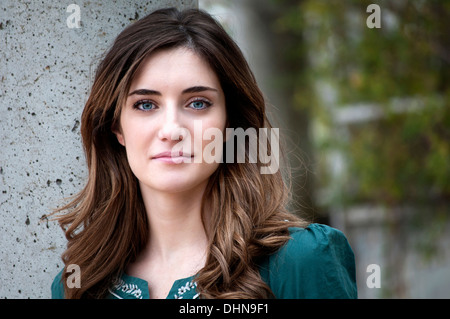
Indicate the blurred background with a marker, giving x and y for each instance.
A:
(363, 97)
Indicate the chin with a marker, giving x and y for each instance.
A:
(174, 184)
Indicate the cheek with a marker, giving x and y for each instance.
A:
(136, 139)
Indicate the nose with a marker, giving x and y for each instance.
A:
(172, 128)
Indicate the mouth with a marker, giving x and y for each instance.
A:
(173, 157)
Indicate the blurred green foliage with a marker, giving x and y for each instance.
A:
(401, 155)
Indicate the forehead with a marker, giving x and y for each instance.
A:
(174, 67)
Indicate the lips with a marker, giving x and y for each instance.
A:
(173, 157)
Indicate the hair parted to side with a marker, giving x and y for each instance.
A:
(106, 224)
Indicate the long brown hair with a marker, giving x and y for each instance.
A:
(106, 224)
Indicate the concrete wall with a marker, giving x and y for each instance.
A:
(46, 69)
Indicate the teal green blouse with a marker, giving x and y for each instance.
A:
(317, 262)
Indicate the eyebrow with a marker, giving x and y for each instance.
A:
(193, 89)
(197, 89)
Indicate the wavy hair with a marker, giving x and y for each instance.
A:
(106, 223)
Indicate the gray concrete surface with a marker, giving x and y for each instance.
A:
(46, 69)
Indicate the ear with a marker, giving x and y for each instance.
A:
(119, 135)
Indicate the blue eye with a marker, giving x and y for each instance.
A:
(199, 105)
(144, 105)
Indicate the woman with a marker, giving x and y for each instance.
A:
(156, 219)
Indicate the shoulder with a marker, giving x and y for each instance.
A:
(317, 262)
(57, 287)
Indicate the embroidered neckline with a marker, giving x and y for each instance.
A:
(187, 287)
(130, 289)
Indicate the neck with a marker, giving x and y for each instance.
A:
(175, 223)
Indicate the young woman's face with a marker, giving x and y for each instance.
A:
(173, 92)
